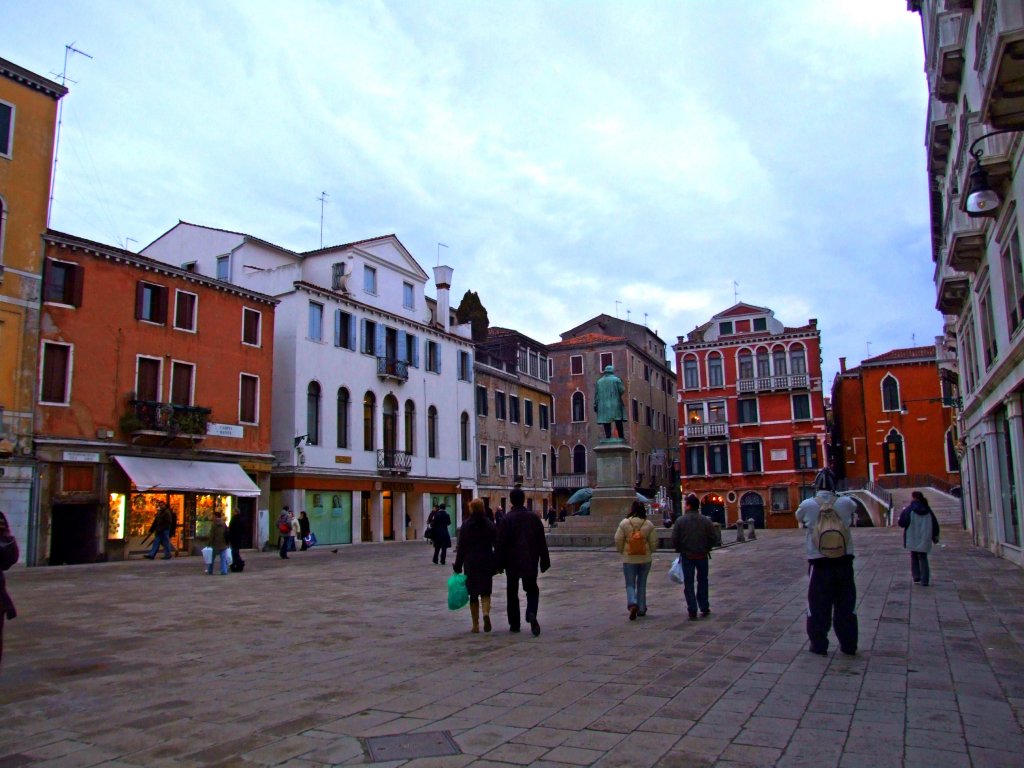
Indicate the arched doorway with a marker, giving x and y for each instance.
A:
(752, 507)
(713, 506)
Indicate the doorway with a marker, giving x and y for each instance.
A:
(73, 534)
(752, 508)
(388, 516)
(366, 522)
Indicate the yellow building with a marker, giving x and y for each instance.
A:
(28, 114)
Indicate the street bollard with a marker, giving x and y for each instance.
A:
(740, 532)
(752, 533)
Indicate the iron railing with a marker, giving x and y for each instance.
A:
(392, 368)
(171, 418)
(393, 462)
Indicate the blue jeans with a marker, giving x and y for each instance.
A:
(161, 538)
(223, 562)
(698, 568)
(919, 567)
(636, 584)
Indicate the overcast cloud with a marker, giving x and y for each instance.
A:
(571, 155)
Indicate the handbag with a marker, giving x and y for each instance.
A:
(208, 555)
(310, 540)
(675, 573)
(458, 595)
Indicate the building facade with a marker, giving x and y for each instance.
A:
(976, 109)
(513, 419)
(577, 361)
(154, 387)
(28, 114)
(893, 420)
(752, 430)
(373, 382)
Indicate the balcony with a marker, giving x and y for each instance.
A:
(165, 421)
(999, 61)
(952, 289)
(569, 482)
(966, 240)
(939, 138)
(393, 462)
(703, 431)
(772, 383)
(393, 369)
(950, 36)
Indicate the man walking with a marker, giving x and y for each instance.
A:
(831, 590)
(284, 532)
(161, 530)
(693, 537)
(522, 548)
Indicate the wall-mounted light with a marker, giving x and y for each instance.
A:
(299, 439)
(981, 199)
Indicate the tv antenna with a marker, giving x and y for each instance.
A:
(735, 292)
(323, 200)
(439, 247)
(68, 50)
(617, 303)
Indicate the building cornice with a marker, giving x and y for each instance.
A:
(29, 79)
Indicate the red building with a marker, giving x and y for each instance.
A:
(154, 386)
(751, 415)
(893, 420)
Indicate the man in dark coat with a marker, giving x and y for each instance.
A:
(521, 549)
(236, 530)
(439, 533)
(163, 522)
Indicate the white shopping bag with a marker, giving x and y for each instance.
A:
(227, 556)
(675, 573)
(208, 555)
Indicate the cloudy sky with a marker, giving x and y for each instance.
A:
(576, 158)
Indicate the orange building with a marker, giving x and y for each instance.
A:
(893, 421)
(28, 114)
(154, 386)
(751, 415)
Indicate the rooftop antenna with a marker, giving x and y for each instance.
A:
(322, 199)
(735, 292)
(129, 240)
(439, 247)
(68, 50)
(913, 339)
(617, 303)
(628, 313)
(645, 319)
(869, 348)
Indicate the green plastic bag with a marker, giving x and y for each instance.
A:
(458, 596)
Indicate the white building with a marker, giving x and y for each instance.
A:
(373, 383)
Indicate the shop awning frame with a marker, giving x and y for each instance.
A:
(148, 475)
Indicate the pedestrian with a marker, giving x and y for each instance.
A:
(304, 529)
(920, 531)
(561, 514)
(439, 533)
(552, 518)
(284, 532)
(161, 530)
(475, 554)
(218, 543)
(296, 531)
(499, 515)
(8, 557)
(694, 536)
(236, 533)
(831, 589)
(636, 539)
(522, 548)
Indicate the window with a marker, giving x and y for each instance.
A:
(6, 128)
(551, 368)
(316, 322)
(313, 413)
(251, 326)
(534, 364)
(484, 468)
(715, 375)
(760, 324)
(248, 399)
(780, 499)
(542, 415)
(433, 357)
(797, 360)
(747, 410)
(967, 352)
(147, 379)
(432, 432)
(764, 369)
(650, 416)
(746, 364)
(716, 412)
(751, 456)
(189, 266)
(892, 454)
(185, 310)
(544, 466)
(408, 296)
(890, 393)
(725, 328)
(779, 361)
(988, 328)
(182, 375)
(369, 346)
(805, 452)
(513, 409)
(369, 421)
(528, 413)
(576, 365)
(481, 400)
(1013, 282)
(56, 373)
(691, 378)
(578, 410)
(344, 403)
(465, 366)
(410, 427)
(501, 460)
(636, 410)
(151, 303)
(62, 283)
(606, 360)
(695, 460)
(344, 330)
(464, 436)
(499, 406)
(370, 280)
(647, 372)
(718, 459)
(801, 407)
(529, 464)
(412, 350)
(224, 268)
(579, 460)
(338, 277)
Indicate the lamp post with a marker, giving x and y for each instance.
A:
(981, 199)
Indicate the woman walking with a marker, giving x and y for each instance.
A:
(304, 530)
(8, 557)
(475, 554)
(218, 543)
(636, 539)
(439, 533)
(920, 531)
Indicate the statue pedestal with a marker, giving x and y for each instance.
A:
(613, 493)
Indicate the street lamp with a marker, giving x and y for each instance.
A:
(982, 200)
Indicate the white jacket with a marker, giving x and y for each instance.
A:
(807, 516)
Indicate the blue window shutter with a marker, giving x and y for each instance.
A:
(415, 352)
(381, 333)
(438, 347)
(351, 333)
(401, 346)
(337, 327)
(362, 327)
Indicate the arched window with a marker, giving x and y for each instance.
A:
(343, 417)
(410, 427)
(691, 376)
(313, 413)
(464, 436)
(432, 432)
(892, 454)
(389, 420)
(952, 460)
(579, 460)
(716, 376)
(797, 359)
(890, 393)
(763, 365)
(746, 364)
(369, 421)
(578, 407)
(779, 361)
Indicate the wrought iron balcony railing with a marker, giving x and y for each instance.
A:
(392, 368)
(169, 418)
(393, 462)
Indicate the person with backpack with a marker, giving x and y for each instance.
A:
(694, 536)
(831, 589)
(636, 539)
(920, 531)
(284, 532)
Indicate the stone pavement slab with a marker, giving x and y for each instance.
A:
(298, 662)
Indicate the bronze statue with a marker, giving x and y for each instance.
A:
(608, 402)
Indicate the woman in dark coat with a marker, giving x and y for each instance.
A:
(236, 534)
(476, 554)
(8, 557)
(304, 529)
(439, 533)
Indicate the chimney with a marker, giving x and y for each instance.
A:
(443, 282)
(842, 365)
